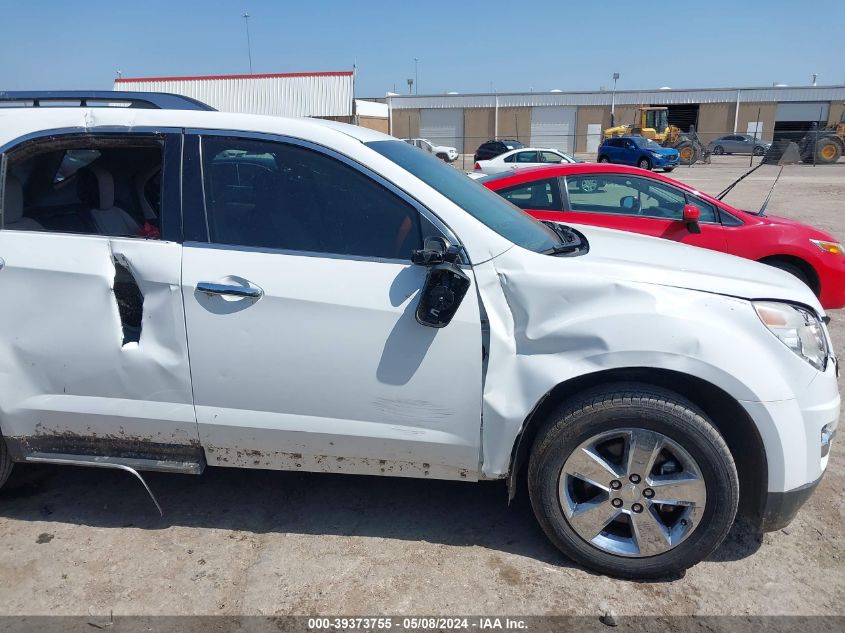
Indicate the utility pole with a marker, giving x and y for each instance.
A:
(246, 17)
(613, 101)
(416, 75)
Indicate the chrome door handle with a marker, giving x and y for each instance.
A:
(218, 290)
(2, 263)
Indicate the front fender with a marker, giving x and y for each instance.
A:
(548, 327)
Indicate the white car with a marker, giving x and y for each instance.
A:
(521, 158)
(185, 288)
(443, 152)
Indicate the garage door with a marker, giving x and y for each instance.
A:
(553, 126)
(816, 111)
(443, 127)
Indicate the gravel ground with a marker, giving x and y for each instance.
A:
(86, 542)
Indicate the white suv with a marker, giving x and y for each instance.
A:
(183, 288)
(443, 152)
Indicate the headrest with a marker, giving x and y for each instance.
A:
(95, 186)
(13, 202)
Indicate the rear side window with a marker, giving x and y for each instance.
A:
(527, 157)
(93, 184)
(275, 195)
(542, 195)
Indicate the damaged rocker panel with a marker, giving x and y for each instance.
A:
(141, 454)
(280, 460)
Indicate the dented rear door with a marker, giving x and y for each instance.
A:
(79, 374)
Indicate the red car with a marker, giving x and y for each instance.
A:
(632, 199)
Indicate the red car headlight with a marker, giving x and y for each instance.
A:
(834, 248)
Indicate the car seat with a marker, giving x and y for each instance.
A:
(95, 188)
(13, 217)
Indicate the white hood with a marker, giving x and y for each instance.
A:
(632, 257)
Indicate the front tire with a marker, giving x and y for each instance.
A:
(5, 462)
(644, 163)
(718, 150)
(604, 159)
(632, 480)
(828, 151)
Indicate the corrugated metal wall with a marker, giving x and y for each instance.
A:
(299, 94)
(631, 97)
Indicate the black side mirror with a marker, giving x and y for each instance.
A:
(445, 285)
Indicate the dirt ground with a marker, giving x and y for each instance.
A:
(87, 542)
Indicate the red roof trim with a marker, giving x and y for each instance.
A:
(342, 73)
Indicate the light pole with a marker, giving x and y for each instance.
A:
(248, 44)
(613, 101)
(416, 76)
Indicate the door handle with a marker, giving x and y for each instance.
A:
(220, 290)
(2, 263)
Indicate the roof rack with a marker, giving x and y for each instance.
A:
(100, 98)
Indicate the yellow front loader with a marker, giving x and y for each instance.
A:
(653, 123)
(823, 146)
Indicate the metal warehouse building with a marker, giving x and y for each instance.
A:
(326, 95)
(573, 121)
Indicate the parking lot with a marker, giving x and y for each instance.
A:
(88, 542)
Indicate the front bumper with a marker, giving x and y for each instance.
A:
(797, 435)
(781, 507)
(831, 271)
(666, 162)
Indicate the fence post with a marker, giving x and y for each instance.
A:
(754, 142)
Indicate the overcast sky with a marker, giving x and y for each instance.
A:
(466, 46)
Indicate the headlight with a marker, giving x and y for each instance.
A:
(834, 248)
(797, 328)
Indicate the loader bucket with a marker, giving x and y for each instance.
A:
(783, 152)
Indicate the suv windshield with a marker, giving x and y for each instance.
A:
(481, 203)
(646, 143)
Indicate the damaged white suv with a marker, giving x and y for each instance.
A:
(182, 288)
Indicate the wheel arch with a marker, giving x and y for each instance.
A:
(802, 264)
(729, 417)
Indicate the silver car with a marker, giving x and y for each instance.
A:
(738, 144)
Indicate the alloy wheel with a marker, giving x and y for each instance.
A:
(632, 492)
(589, 185)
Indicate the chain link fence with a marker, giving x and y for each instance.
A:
(816, 146)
